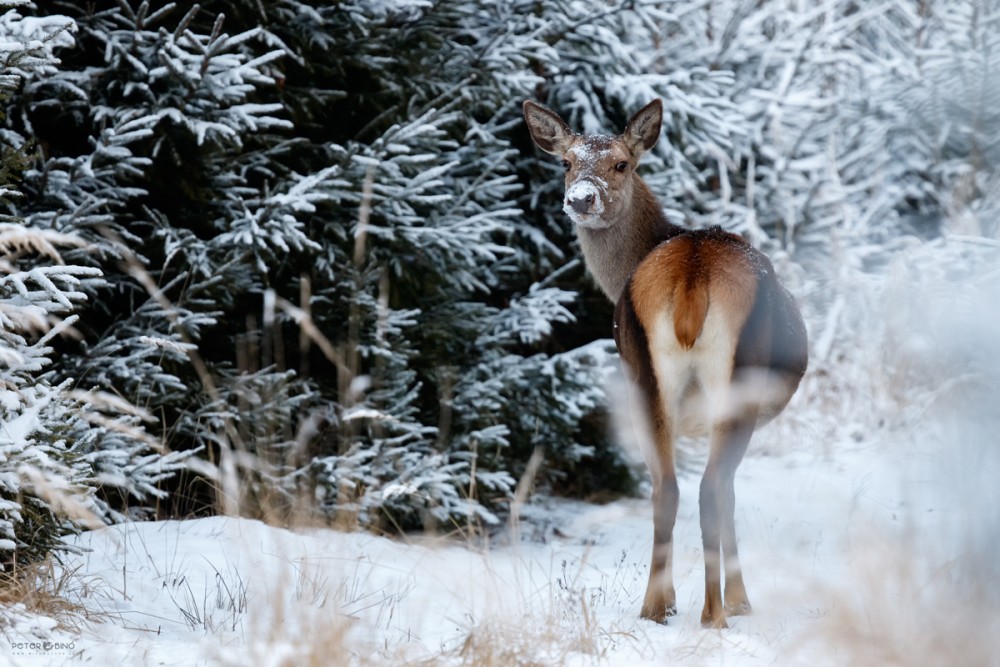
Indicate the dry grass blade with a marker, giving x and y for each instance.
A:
(45, 589)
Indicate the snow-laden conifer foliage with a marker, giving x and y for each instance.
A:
(60, 437)
(333, 268)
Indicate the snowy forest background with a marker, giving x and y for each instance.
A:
(299, 259)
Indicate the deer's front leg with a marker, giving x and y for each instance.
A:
(653, 429)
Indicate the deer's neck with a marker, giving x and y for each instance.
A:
(612, 253)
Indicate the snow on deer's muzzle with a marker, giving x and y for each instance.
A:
(583, 202)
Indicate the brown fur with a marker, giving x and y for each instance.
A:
(703, 268)
(728, 314)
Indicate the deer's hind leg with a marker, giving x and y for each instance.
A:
(654, 430)
(660, 600)
(718, 527)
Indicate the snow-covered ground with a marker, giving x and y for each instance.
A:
(840, 551)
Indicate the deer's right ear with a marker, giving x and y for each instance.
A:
(548, 130)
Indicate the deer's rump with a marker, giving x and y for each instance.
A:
(711, 343)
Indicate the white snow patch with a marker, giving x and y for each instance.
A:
(393, 490)
(589, 154)
(581, 190)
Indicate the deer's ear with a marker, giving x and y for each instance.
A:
(643, 129)
(548, 130)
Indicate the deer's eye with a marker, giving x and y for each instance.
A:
(621, 166)
(566, 165)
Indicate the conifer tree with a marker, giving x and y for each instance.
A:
(60, 439)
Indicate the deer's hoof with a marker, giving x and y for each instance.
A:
(741, 608)
(658, 613)
(712, 620)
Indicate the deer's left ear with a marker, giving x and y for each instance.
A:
(643, 129)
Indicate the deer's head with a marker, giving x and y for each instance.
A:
(600, 170)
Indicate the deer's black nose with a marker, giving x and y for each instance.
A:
(582, 204)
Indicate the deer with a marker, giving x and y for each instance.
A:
(711, 343)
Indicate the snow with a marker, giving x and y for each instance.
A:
(581, 190)
(812, 527)
(18, 31)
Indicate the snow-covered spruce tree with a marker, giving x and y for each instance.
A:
(438, 299)
(195, 181)
(428, 262)
(149, 128)
(39, 478)
(54, 436)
